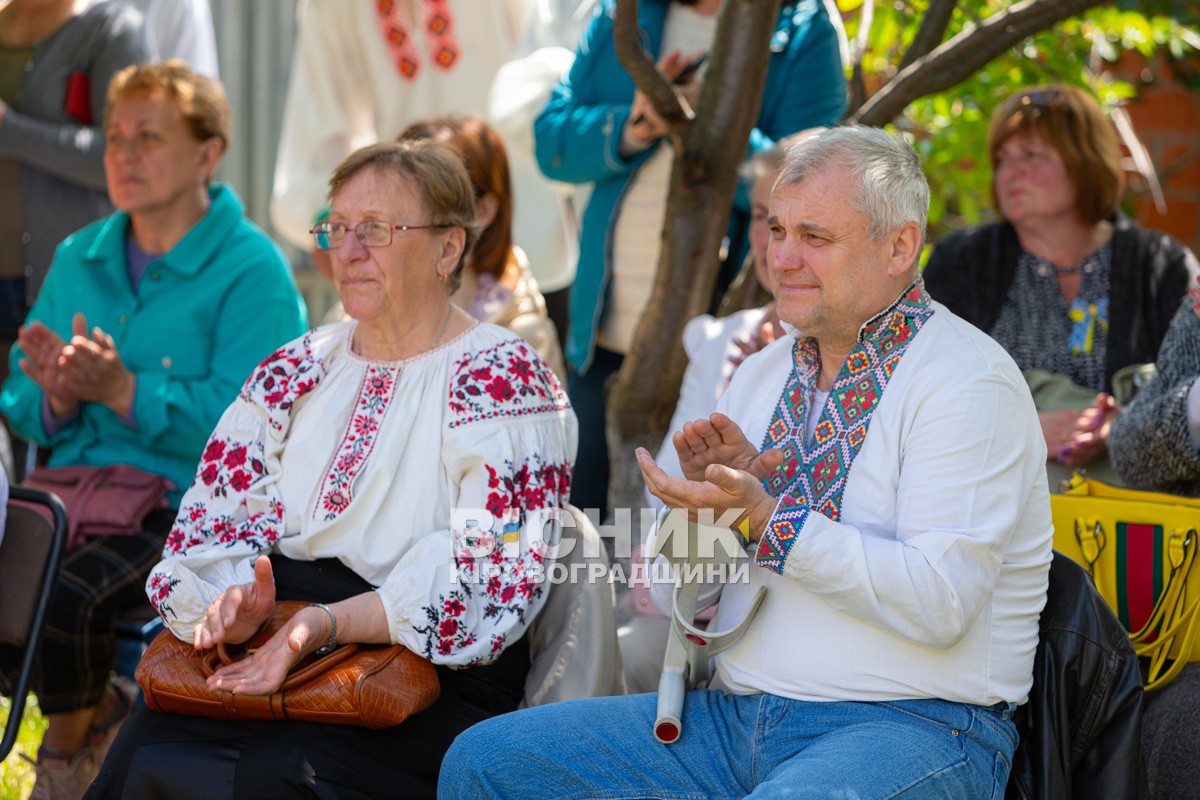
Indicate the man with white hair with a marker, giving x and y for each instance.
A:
(901, 527)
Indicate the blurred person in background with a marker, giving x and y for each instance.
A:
(147, 325)
(56, 60)
(363, 71)
(1073, 289)
(1155, 445)
(598, 128)
(182, 29)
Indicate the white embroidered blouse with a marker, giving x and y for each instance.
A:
(423, 476)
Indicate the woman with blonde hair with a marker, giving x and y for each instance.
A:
(145, 327)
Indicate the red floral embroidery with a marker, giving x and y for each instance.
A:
(235, 457)
(230, 464)
(214, 451)
(506, 380)
(159, 590)
(500, 390)
(498, 583)
(282, 378)
(532, 485)
(375, 395)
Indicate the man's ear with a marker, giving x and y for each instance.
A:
(906, 249)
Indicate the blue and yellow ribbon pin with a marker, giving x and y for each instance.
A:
(1086, 316)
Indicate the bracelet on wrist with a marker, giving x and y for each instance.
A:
(330, 643)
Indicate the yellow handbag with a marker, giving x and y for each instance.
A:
(1140, 548)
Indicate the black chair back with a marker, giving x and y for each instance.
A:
(35, 536)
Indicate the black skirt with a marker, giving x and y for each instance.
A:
(179, 757)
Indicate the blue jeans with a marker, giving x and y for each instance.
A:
(735, 746)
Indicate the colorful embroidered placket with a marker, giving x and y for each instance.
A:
(814, 478)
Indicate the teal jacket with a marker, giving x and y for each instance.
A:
(578, 134)
(203, 317)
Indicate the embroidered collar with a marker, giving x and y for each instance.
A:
(814, 474)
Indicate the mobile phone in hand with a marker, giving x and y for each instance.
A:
(683, 77)
(690, 70)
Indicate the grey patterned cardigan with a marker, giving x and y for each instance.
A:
(971, 271)
(1150, 445)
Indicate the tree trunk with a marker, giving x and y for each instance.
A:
(708, 152)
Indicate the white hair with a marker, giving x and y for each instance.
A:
(893, 187)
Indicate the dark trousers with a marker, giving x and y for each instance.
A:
(95, 584)
(589, 484)
(179, 757)
(558, 309)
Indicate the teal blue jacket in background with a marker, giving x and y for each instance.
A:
(203, 316)
(578, 134)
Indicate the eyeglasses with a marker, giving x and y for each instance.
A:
(370, 233)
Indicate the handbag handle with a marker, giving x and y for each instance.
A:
(1091, 540)
(301, 673)
(1169, 620)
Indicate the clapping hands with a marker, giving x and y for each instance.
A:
(722, 471)
(86, 369)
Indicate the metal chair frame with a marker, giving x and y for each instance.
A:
(20, 514)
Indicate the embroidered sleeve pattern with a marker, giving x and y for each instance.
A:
(284, 377)
(507, 380)
(225, 516)
(500, 572)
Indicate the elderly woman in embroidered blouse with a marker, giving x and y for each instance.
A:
(363, 459)
(1073, 289)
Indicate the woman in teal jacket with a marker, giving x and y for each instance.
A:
(145, 328)
(578, 139)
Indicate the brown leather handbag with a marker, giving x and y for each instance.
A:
(372, 686)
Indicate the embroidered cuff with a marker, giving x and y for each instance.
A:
(781, 533)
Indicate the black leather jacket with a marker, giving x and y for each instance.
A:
(1081, 731)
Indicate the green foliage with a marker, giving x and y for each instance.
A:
(949, 129)
(16, 774)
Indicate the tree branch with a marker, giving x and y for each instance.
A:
(708, 153)
(641, 67)
(932, 29)
(857, 88)
(957, 59)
